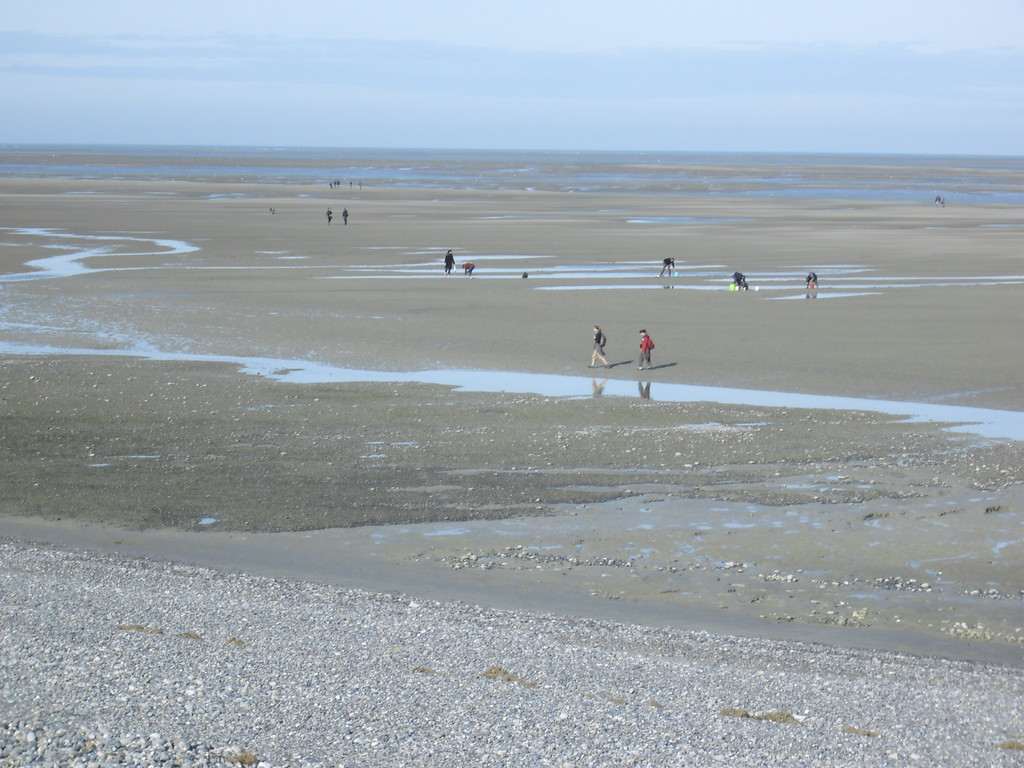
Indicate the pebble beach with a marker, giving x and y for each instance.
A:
(111, 661)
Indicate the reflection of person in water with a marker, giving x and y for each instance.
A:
(598, 386)
(645, 390)
(667, 265)
(740, 281)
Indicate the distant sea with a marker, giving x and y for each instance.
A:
(896, 178)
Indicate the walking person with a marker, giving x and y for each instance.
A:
(599, 341)
(330, 215)
(449, 263)
(344, 217)
(646, 345)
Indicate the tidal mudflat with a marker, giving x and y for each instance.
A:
(136, 315)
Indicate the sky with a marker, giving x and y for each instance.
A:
(871, 76)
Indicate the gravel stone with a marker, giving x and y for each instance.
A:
(109, 661)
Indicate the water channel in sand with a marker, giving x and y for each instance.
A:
(981, 421)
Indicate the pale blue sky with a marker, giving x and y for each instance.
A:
(734, 75)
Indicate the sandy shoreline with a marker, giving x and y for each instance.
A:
(924, 305)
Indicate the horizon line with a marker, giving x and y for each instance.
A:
(6, 145)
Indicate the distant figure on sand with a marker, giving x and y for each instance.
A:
(599, 341)
(344, 216)
(646, 345)
(467, 268)
(740, 281)
(812, 285)
(449, 262)
(330, 215)
(667, 265)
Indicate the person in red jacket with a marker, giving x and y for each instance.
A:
(646, 345)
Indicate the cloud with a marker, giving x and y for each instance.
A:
(546, 25)
(274, 90)
(477, 71)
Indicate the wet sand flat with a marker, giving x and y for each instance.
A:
(851, 527)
